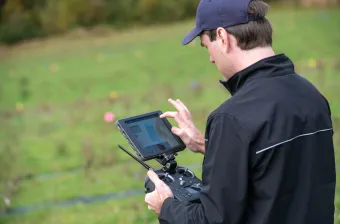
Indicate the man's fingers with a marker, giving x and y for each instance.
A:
(177, 105)
(171, 114)
(181, 108)
(150, 196)
(147, 198)
(150, 200)
(182, 104)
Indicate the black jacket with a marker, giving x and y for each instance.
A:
(269, 153)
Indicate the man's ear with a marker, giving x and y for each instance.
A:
(224, 37)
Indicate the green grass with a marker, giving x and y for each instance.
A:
(69, 82)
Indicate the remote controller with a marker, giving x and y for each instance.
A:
(183, 183)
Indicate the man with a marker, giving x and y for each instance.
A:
(268, 150)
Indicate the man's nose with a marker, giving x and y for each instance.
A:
(212, 60)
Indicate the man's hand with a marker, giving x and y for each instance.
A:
(156, 198)
(190, 135)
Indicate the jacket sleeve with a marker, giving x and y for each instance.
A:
(224, 177)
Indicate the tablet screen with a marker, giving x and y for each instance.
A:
(152, 135)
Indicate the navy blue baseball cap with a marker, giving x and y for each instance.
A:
(212, 14)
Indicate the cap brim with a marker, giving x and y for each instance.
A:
(191, 36)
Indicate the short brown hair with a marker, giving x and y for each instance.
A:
(253, 34)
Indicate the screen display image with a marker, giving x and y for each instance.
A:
(152, 135)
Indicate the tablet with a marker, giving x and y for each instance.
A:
(149, 135)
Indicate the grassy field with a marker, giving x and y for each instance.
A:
(54, 93)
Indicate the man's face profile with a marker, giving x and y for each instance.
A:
(217, 51)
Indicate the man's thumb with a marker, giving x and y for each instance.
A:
(153, 177)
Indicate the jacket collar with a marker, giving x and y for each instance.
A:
(268, 67)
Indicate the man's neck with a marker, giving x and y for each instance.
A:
(245, 59)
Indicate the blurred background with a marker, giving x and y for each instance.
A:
(70, 68)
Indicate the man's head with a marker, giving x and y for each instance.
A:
(230, 30)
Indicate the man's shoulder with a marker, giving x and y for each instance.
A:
(264, 101)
